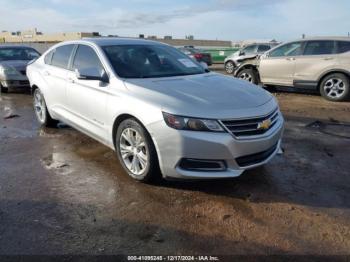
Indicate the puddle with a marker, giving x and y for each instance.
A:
(336, 129)
(58, 163)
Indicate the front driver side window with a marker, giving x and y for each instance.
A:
(291, 49)
(85, 58)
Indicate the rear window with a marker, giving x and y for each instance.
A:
(319, 48)
(61, 55)
(343, 47)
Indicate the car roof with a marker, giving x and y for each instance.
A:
(106, 41)
(324, 38)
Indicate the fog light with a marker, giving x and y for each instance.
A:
(202, 165)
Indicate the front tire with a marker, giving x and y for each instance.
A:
(230, 67)
(335, 87)
(3, 90)
(136, 151)
(41, 112)
(248, 75)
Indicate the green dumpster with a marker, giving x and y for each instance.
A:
(219, 54)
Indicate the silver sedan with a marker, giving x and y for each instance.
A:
(163, 113)
(13, 63)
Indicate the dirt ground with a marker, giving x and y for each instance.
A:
(63, 193)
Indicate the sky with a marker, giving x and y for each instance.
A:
(204, 19)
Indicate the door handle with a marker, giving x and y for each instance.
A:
(71, 80)
(328, 58)
(290, 58)
(46, 73)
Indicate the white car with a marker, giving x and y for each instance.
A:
(160, 110)
(250, 51)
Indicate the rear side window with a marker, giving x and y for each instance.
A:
(61, 55)
(343, 47)
(319, 48)
(48, 57)
(86, 57)
(263, 48)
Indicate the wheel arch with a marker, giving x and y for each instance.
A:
(245, 66)
(119, 119)
(333, 71)
(32, 88)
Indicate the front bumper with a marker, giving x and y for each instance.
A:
(15, 83)
(174, 145)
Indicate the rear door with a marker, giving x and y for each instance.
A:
(278, 66)
(318, 57)
(55, 75)
(87, 98)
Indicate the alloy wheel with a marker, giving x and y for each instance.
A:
(246, 77)
(39, 106)
(229, 67)
(133, 150)
(334, 87)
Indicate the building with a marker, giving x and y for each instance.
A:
(33, 36)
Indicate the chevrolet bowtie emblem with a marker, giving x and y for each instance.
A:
(264, 125)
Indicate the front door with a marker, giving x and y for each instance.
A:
(278, 66)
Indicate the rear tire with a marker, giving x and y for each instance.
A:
(248, 75)
(136, 151)
(335, 87)
(41, 112)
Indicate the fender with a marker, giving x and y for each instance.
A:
(251, 62)
(333, 70)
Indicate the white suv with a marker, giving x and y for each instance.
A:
(321, 64)
(250, 51)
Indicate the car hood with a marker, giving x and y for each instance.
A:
(19, 65)
(209, 95)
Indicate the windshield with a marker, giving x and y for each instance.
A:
(146, 61)
(18, 53)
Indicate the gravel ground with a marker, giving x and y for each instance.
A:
(63, 193)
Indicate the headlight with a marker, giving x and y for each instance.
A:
(8, 70)
(194, 124)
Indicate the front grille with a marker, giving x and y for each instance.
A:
(23, 82)
(252, 126)
(257, 158)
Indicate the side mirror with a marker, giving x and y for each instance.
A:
(91, 73)
(241, 53)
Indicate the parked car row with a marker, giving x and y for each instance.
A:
(321, 64)
(166, 114)
(197, 54)
(232, 62)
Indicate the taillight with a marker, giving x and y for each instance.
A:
(198, 56)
